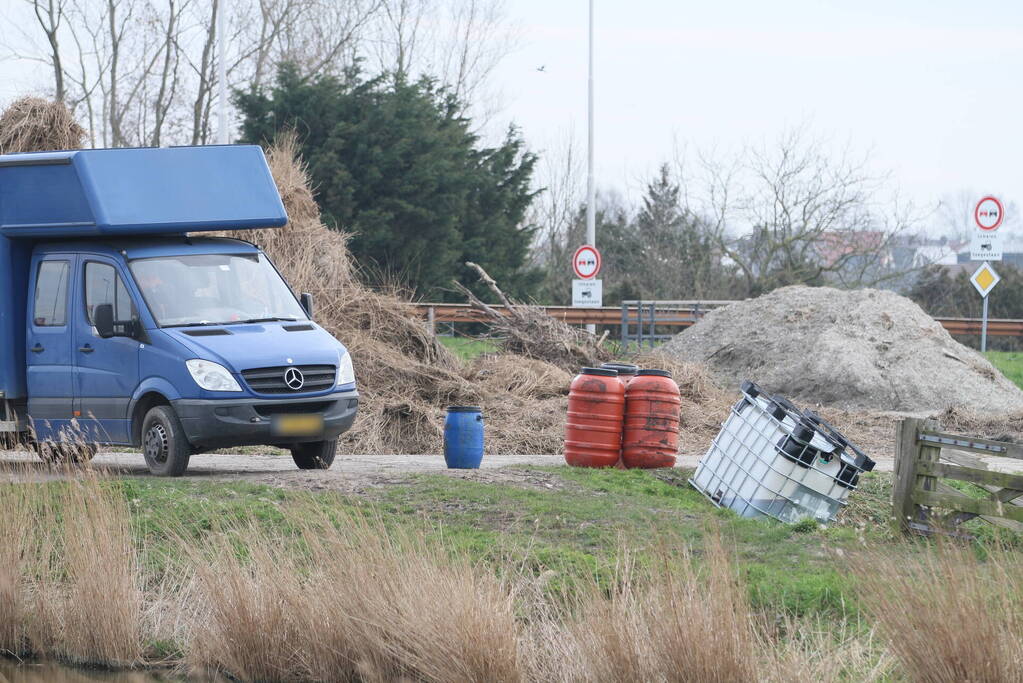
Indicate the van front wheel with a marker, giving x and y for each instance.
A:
(164, 444)
(318, 455)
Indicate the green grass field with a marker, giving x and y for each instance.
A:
(468, 348)
(1010, 363)
(567, 524)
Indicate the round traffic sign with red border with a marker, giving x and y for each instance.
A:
(988, 213)
(586, 262)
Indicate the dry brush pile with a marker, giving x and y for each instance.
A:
(33, 124)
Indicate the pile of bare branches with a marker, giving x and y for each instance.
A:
(529, 331)
(32, 124)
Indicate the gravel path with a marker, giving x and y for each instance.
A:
(350, 473)
(18, 465)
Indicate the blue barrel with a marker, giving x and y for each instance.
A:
(463, 437)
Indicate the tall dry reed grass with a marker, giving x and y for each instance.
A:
(679, 622)
(15, 526)
(360, 603)
(69, 575)
(946, 616)
(348, 598)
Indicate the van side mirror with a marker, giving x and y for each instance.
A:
(103, 319)
(307, 303)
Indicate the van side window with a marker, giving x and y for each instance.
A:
(104, 286)
(50, 308)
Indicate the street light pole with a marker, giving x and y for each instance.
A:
(222, 137)
(591, 216)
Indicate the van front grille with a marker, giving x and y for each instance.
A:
(278, 380)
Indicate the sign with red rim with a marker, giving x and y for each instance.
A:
(586, 262)
(988, 214)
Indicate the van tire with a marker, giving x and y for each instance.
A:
(318, 455)
(164, 445)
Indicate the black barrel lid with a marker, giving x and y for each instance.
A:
(603, 372)
(622, 368)
(464, 409)
(654, 373)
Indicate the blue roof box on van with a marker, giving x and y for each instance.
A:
(112, 192)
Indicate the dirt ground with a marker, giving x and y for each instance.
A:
(873, 432)
(349, 474)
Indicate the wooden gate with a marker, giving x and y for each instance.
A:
(924, 456)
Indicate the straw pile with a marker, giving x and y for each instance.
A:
(406, 378)
(32, 124)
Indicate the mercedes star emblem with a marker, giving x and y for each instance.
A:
(294, 379)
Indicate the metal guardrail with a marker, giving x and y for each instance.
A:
(640, 320)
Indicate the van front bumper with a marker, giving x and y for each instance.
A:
(226, 423)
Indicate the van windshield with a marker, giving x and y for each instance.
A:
(214, 289)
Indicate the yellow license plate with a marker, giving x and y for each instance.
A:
(298, 425)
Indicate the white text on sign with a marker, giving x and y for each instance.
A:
(587, 293)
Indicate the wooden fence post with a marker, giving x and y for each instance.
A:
(906, 454)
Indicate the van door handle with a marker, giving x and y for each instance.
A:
(86, 349)
(38, 348)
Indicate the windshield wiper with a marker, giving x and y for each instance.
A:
(260, 320)
(203, 323)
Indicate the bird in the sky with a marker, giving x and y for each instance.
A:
(542, 68)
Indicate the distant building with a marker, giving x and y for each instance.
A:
(913, 252)
(854, 247)
(936, 255)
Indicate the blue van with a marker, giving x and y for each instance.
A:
(120, 326)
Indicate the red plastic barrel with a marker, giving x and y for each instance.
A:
(652, 404)
(596, 411)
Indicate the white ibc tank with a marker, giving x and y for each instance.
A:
(770, 459)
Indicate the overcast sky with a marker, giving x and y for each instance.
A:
(933, 87)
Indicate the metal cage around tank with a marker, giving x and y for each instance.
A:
(772, 460)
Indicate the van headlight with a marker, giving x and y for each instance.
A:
(212, 376)
(345, 371)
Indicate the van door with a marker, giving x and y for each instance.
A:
(48, 358)
(106, 370)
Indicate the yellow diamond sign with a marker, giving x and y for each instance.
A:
(985, 279)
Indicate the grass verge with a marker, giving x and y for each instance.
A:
(444, 577)
(1010, 363)
(468, 348)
